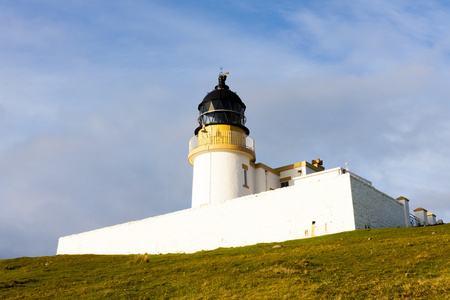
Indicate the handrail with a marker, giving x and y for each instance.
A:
(221, 137)
(414, 221)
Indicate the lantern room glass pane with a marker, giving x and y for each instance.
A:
(214, 103)
(226, 104)
(221, 117)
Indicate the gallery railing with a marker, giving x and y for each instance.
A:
(221, 137)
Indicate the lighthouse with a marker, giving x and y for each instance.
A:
(238, 202)
(221, 150)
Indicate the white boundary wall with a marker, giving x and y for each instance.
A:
(274, 216)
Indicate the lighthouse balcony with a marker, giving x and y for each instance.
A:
(220, 140)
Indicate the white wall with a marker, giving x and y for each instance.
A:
(327, 197)
(421, 214)
(265, 180)
(431, 219)
(260, 179)
(374, 209)
(273, 216)
(405, 203)
(293, 173)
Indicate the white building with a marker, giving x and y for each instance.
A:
(237, 202)
(421, 215)
(431, 218)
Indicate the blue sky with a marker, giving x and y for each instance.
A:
(98, 100)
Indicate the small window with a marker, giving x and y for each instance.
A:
(284, 182)
(245, 167)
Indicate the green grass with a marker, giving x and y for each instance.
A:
(376, 264)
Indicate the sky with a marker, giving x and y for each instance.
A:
(98, 101)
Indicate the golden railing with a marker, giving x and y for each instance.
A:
(221, 137)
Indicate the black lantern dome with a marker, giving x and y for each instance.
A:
(222, 106)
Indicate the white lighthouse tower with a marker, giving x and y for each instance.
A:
(221, 150)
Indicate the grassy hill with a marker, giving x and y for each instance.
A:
(378, 263)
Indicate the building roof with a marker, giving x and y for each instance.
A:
(420, 208)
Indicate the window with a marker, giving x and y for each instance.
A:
(284, 182)
(245, 168)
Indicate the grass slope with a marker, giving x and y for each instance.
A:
(379, 263)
